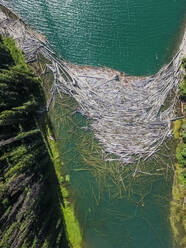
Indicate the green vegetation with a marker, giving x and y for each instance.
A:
(30, 195)
(5, 57)
(178, 214)
(16, 54)
(182, 86)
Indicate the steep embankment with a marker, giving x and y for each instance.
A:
(30, 196)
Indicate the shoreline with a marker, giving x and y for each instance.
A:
(71, 223)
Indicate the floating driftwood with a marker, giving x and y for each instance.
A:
(130, 116)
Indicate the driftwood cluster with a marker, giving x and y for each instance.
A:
(130, 116)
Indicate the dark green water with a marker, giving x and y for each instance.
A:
(135, 36)
(136, 219)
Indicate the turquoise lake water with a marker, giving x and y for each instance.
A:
(134, 36)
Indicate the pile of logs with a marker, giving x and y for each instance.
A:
(130, 116)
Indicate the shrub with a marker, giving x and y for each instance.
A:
(182, 90)
(16, 54)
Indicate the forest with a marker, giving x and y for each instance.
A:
(30, 198)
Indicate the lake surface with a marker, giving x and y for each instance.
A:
(135, 36)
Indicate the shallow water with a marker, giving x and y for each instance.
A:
(109, 216)
(129, 35)
(132, 36)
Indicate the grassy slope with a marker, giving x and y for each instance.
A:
(71, 222)
(30, 195)
(178, 213)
